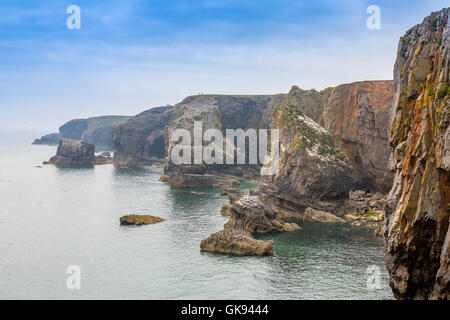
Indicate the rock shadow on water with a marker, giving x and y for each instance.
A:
(133, 171)
(69, 169)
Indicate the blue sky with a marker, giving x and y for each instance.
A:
(132, 55)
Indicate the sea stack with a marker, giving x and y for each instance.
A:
(73, 152)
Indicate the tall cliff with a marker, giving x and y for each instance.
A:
(417, 214)
(357, 116)
(312, 171)
(140, 140)
(220, 112)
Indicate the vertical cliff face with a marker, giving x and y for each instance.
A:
(357, 116)
(140, 140)
(417, 215)
(219, 112)
(311, 102)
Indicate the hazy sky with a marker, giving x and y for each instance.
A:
(132, 55)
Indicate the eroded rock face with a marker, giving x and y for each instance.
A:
(220, 113)
(253, 216)
(73, 152)
(312, 170)
(140, 140)
(417, 214)
(238, 242)
(138, 220)
(232, 193)
(357, 116)
(311, 102)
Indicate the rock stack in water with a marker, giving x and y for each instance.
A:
(73, 152)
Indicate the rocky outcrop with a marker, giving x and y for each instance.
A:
(96, 131)
(104, 158)
(238, 242)
(73, 152)
(138, 220)
(357, 116)
(311, 102)
(140, 140)
(51, 139)
(221, 113)
(311, 215)
(232, 193)
(312, 171)
(251, 215)
(417, 214)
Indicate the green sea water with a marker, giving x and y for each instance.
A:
(53, 217)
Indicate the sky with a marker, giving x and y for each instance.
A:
(129, 56)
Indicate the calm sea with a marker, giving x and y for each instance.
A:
(52, 218)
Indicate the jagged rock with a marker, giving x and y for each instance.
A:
(73, 152)
(418, 208)
(137, 220)
(311, 170)
(226, 210)
(311, 102)
(51, 139)
(221, 113)
(232, 193)
(311, 215)
(251, 215)
(238, 242)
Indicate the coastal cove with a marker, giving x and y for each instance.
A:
(52, 217)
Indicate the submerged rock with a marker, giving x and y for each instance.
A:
(253, 192)
(134, 219)
(238, 242)
(73, 152)
(312, 215)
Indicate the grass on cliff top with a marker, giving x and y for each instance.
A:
(106, 121)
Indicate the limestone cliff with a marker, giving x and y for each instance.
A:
(357, 116)
(219, 112)
(418, 209)
(312, 171)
